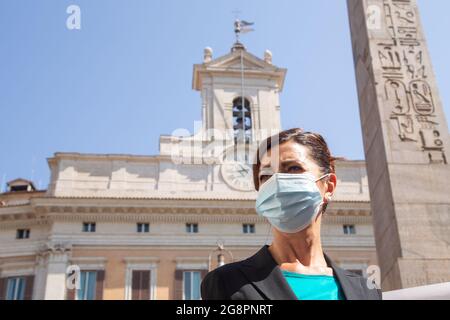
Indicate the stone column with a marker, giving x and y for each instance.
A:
(40, 277)
(406, 142)
(51, 272)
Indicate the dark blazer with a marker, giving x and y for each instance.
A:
(259, 278)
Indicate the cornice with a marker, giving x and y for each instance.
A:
(44, 210)
(109, 157)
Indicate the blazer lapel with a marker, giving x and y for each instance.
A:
(351, 284)
(265, 275)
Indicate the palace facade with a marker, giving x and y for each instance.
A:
(150, 227)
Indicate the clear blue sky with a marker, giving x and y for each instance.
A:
(125, 78)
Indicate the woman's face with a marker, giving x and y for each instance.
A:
(291, 157)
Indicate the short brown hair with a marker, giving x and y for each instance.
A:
(315, 143)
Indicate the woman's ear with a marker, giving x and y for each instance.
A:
(331, 186)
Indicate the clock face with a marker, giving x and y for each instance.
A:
(238, 175)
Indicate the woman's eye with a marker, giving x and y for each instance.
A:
(295, 169)
(264, 178)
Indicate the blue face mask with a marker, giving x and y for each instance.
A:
(291, 202)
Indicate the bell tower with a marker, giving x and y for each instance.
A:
(239, 93)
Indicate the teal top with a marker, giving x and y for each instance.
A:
(314, 287)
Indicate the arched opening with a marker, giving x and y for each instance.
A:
(242, 121)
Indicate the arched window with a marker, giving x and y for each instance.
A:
(242, 120)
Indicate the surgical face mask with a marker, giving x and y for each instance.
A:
(291, 202)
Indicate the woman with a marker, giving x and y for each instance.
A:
(295, 176)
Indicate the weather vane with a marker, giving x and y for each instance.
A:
(241, 27)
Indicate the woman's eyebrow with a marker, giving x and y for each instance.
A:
(287, 162)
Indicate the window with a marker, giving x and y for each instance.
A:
(19, 188)
(349, 229)
(20, 185)
(15, 289)
(88, 284)
(140, 285)
(143, 227)
(242, 120)
(88, 227)
(23, 234)
(191, 227)
(191, 285)
(248, 228)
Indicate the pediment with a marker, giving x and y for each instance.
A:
(233, 61)
(237, 65)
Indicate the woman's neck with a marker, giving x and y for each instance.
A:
(304, 247)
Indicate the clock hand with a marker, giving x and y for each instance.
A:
(241, 172)
(243, 169)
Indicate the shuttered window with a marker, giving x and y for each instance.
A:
(248, 228)
(23, 234)
(143, 227)
(89, 226)
(192, 227)
(187, 284)
(16, 288)
(140, 285)
(349, 229)
(88, 282)
(191, 285)
(91, 286)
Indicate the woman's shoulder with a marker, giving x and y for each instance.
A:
(223, 282)
(226, 270)
(257, 260)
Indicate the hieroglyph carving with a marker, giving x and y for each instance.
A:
(404, 72)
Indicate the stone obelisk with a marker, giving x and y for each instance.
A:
(406, 142)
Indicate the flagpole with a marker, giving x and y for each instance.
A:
(242, 95)
(238, 30)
